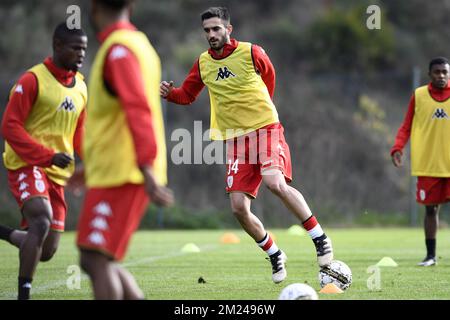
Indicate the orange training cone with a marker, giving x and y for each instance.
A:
(229, 238)
(331, 288)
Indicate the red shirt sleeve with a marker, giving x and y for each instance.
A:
(13, 124)
(190, 89)
(79, 134)
(264, 67)
(404, 132)
(122, 73)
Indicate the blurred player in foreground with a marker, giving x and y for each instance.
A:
(124, 149)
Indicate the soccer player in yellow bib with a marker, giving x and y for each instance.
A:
(124, 149)
(427, 122)
(241, 80)
(43, 126)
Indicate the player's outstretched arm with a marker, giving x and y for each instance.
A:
(189, 90)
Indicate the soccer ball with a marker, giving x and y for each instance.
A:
(298, 291)
(336, 272)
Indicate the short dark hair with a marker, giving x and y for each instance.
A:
(219, 12)
(63, 33)
(115, 5)
(437, 60)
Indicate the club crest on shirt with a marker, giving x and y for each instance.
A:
(230, 181)
(422, 194)
(39, 185)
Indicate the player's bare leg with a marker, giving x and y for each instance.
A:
(295, 202)
(431, 224)
(291, 197)
(131, 290)
(36, 244)
(106, 283)
(240, 205)
(13, 236)
(50, 246)
(16, 238)
(38, 213)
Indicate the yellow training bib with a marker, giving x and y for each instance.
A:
(52, 121)
(240, 101)
(108, 148)
(430, 136)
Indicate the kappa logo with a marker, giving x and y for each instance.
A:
(224, 74)
(24, 195)
(67, 105)
(96, 237)
(440, 114)
(103, 208)
(19, 89)
(99, 223)
(118, 52)
(23, 186)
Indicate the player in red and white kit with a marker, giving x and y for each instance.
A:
(42, 127)
(427, 123)
(241, 81)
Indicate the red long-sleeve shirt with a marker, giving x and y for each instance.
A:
(193, 84)
(19, 107)
(123, 76)
(404, 132)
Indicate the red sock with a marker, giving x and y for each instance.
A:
(268, 245)
(313, 227)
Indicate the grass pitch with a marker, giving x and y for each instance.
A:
(240, 271)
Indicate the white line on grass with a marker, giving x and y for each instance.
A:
(60, 283)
